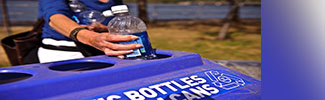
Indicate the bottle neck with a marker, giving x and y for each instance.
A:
(122, 14)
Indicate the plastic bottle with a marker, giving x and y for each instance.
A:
(124, 24)
(90, 17)
(84, 16)
(77, 7)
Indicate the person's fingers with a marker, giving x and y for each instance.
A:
(114, 46)
(116, 53)
(116, 38)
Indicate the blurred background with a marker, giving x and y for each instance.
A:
(225, 31)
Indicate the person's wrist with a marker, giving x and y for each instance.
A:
(74, 33)
(84, 36)
(87, 36)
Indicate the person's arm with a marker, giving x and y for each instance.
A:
(62, 24)
(101, 41)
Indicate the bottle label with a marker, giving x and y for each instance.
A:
(136, 52)
(146, 48)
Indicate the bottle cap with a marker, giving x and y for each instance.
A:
(108, 13)
(119, 9)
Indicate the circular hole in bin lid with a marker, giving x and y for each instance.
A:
(160, 55)
(9, 77)
(80, 65)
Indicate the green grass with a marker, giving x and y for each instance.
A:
(241, 46)
(245, 42)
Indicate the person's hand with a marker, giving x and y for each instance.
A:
(106, 42)
(101, 41)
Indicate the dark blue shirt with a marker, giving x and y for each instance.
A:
(47, 8)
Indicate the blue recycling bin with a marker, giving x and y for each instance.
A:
(175, 75)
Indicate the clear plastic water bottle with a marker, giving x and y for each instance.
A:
(84, 16)
(77, 7)
(91, 17)
(124, 24)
